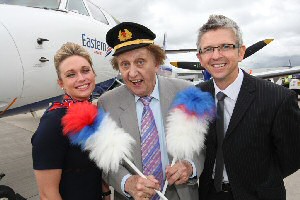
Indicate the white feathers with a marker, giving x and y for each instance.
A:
(109, 145)
(185, 134)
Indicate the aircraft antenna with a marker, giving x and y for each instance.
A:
(165, 42)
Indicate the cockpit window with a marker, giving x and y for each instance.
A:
(117, 21)
(97, 13)
(49, 4)
(77, 6)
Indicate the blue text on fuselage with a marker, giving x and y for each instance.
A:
(93, 43)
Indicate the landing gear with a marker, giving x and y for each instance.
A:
(6, 193)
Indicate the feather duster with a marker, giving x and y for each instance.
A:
(187, 124)
(188, 121)
(96, 132)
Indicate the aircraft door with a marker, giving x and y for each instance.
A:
(11, 75)
(36, 46)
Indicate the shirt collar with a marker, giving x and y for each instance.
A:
(154, 94)
(232, 91)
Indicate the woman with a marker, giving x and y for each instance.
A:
(62, 170)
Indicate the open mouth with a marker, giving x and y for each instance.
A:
(82, 87)
(218, 65)
(136, 82)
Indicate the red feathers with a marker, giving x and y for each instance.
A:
(184, 109)
(78, 116)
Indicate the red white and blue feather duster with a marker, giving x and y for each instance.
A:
(108, 145)
(95, 131)
(187, 123)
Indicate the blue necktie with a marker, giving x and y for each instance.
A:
(151, 155)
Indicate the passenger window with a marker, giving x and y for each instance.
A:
(50, 4)
(97, 13)
(77, 6)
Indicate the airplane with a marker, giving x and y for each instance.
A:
(30, 34)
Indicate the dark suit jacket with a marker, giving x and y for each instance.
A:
(262, 142)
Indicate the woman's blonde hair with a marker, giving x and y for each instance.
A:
(67, 50)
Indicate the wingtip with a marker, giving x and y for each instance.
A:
(175, 64)
(267, 41)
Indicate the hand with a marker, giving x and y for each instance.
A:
(106, 197)
(105, 189)
(179, 173)
(141, 188)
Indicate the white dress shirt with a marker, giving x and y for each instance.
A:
(232, 92)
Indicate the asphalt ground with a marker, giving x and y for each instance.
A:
(16, 161)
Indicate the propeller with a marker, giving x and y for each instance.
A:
(197, 66)
(256, 47)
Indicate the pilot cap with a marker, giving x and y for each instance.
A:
(128, 36)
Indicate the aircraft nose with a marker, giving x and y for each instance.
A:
(11, 76)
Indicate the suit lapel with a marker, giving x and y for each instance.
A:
(208, 86)
(129, 122)
(244, 100)
(166, 92)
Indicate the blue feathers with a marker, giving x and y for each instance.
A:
(195, 101)
(81, 137)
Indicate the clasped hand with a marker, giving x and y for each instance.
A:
(142, 188)
(179, 173)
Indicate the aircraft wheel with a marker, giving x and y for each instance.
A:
(6, 193)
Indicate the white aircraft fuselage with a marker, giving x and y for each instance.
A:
(32, 31)
(29, 38)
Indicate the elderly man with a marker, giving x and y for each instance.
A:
(140, 107)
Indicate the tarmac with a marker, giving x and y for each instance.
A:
(16, 161)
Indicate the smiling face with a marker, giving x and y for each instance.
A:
(222, 65)
(138, 69)
(77, 77)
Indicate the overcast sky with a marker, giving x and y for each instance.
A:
(181, 19)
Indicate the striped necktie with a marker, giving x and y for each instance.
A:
(151, 155)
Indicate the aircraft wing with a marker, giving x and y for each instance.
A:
(278, 73)
(187, 65)
(175, 51)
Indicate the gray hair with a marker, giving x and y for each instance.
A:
(217, 22)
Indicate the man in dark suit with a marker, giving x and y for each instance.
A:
(255, 140)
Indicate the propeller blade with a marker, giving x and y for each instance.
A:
(197, 66)
(256, 47)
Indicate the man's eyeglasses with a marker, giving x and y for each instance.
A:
(221, 48)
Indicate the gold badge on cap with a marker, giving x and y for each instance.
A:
(124, 35)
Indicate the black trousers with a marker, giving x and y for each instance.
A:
(226, 194)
